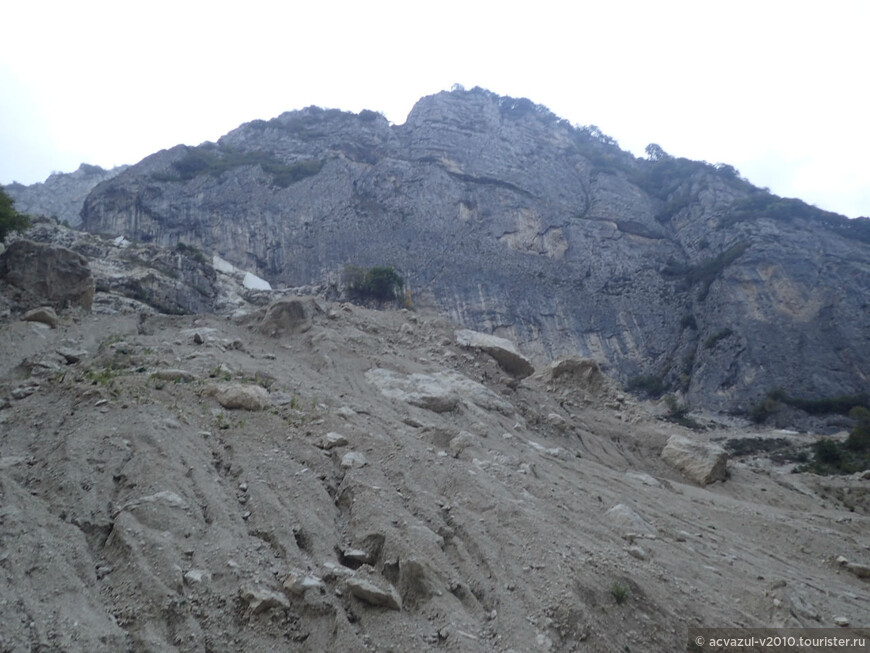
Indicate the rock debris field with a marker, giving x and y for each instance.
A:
(316, 476)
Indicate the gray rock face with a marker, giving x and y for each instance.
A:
(48, 273)
(61, 195)
(676, 273)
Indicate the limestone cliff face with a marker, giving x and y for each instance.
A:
(516, 223)
(61, 195)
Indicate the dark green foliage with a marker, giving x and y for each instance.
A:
(710, 342)
(839, 405)
(752, 446)
(367, 115)
(827, 452)
(10, 219)
(380, 283)
(859, 436)
(762, 204)
(651, 385)
(213, 161)
(619, 593)
(852, 405)
(192, 252)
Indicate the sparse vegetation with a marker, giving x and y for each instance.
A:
(10, 219)
(652, 385)
(379, 283)
(707, 271)
(775, 399)
(192, 252)
(619, 593)
(212, 161)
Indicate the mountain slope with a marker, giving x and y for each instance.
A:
(189, 483)
(680, 275)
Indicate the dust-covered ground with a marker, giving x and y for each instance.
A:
(378, 488)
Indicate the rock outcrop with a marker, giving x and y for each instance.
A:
(48, 273)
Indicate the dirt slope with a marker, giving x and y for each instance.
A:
(139, 514)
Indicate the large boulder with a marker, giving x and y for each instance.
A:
(440, 392)
(700, 462)
(503, 351)
(51, 275)
(288, 315)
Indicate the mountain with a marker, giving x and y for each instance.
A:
(678, 275)
(61, 195)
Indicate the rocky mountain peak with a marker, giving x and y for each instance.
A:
(679, 276)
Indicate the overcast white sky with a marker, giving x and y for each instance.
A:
(777, 89)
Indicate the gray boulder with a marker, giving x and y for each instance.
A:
(287, 316)
(503, 351)
(700, 462)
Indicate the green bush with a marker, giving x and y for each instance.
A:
(205, 160)
(827, 452)
(10, 219)
(619, 593)
(192, 252)
(650, 384)
(859, 436)
(380, 283)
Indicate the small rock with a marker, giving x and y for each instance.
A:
(72, 356)
(103, 570)
(374, 592)
(197, 338)
(625, 519)
(298, 581)
(43, 314)
(346, 412)
(197, 576)
(178, 376)
(861, 571)
(637, 552)
(260, 599)
(460, 443)
(842, 622)
(332, 570)
(239, 396)
(331, 440)
(24, 391)
(353, 459)
(359, 555)
(558, 422)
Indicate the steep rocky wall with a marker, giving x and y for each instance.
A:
(61, 195)
(516, 223)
